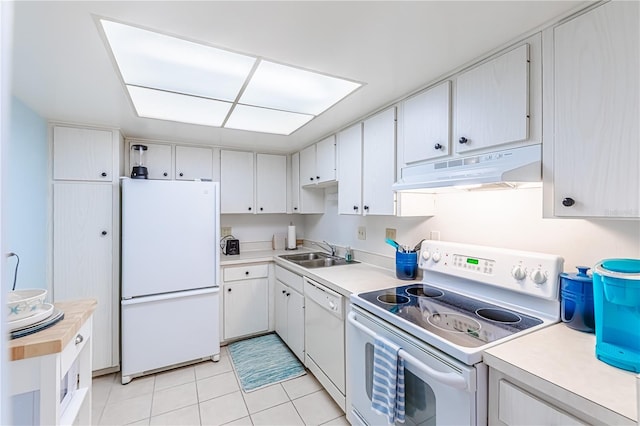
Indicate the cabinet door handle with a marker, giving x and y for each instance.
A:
(246, 272)
(165, 174)
(249, 208)
(181, 174)
(318, 177)
(295, 208)
(355, 208)
(284, 291)
(568, 202)
(261, 209)
(463, 140)
(79, 339)
(104, 233)
(103, 174)
(310, 178)
(366, 208)
(288, 294)
(437, 146)
(228, 290)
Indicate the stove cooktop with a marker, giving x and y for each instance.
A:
(461, 320)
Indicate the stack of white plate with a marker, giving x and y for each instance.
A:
(26, 308)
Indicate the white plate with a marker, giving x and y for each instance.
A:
(42, 313)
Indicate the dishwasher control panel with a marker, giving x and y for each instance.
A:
(325, 297)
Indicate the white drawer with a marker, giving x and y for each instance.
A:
(245, 272)
(75, 345)
(289, 278)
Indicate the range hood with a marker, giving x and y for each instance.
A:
(506, 168)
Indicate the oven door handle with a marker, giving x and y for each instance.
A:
(450, 379)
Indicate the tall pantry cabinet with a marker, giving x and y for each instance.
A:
(86, 165)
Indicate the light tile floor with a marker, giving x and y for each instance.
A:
(209, 393)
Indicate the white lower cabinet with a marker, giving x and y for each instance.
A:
(289, 310)
(512, 402)
(245, 300)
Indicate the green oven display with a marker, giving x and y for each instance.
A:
(472, 261)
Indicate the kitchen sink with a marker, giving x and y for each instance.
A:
(316, 260)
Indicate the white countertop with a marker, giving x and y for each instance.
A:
(561, 362)
(344, 279)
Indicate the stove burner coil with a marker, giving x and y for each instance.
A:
(424, 292)
(393, 299)
(498, 315)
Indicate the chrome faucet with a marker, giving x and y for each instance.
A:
(330, 248)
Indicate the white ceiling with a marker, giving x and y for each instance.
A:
(63, 71)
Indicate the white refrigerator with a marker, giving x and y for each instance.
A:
(170, 274)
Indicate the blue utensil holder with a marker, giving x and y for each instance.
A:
(406, 265)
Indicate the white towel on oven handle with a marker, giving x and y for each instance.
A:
(388, 396)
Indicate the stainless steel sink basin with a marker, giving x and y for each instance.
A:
(316, 260)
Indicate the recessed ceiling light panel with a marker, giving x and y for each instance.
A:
(158, 61)
(293, 89)
(151, 103)
(266, 120)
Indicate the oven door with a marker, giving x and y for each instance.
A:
(439, 390)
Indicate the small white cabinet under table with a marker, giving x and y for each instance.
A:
(39, 362)
(245, 300)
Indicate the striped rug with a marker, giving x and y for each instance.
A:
(263, 361)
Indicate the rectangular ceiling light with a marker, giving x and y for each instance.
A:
(151, 103)
(157, 61)
(266, 120)
(169, 78)
(294, 89)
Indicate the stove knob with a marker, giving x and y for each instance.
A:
(518, 272)
(436, 257)
(538, 276)
(426, 255)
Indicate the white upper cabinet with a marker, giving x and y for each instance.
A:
(83, 154)
(157, 159)
(318, 163)
(592, 147)
(236, 182)
(378, 163)
(326, 160)
(492, 102)
(295, 183)
(424, 123)
(194, 163)
(349, 144)
(271, 183)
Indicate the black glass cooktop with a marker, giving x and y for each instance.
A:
(459, 319)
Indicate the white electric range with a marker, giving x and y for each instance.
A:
(470, 298)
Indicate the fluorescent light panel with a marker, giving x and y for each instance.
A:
(174, 79)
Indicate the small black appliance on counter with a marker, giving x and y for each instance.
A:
(230, 245)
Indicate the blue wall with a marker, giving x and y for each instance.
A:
(25, 196)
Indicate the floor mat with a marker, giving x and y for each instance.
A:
(263, 361)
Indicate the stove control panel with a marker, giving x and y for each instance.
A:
(525, 272)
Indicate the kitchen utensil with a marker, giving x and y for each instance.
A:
(417, 246)
(576, 291)
(393, 244)
(616, 299)
(139, 170)
(24, 303)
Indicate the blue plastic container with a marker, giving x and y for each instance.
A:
(406, 265)
(616, 295)
(576, 296)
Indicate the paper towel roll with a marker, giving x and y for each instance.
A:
(291, 237)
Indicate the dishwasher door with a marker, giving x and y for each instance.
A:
(324, 336)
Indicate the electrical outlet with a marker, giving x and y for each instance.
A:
(225, 231)
(434, 235)
(362, 233)
(390, 233)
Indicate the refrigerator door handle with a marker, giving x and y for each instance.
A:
(167, 296)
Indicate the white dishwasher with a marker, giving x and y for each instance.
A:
(324, 338)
